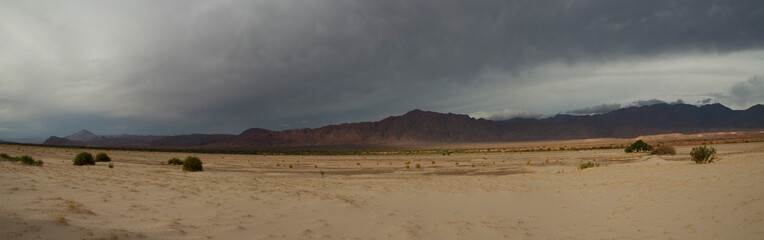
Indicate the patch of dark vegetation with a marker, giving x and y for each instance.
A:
(639, 146)
(83, 158)
(102, 157)
(664, 150)
(174, 161)
(192, 164)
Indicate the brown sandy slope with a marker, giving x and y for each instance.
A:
(376, 197)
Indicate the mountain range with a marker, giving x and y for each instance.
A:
(422, 127)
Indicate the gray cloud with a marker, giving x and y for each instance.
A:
(507, 114)
(603, 108)
(642, 103)
(201, 66)
(748, 93)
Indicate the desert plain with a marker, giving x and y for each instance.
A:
(509, 195)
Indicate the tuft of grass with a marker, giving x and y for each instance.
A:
(174, 161)
(290, 165)
(83, 158)
(111, 165)
(433, 161)
(418, 166)
(407, 166)
(664, 150)
(192, 164)
(588, 165)
(703, 154)
(102, 157)
(61, 220)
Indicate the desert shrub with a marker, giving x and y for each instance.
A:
(27, 160)
(111, 165)
(174, 161)
(664, 150)
(102, 157)
(588, 165)
(192, 164)
(6, 156)
(83, 158)
(702, 154)
(639, 146)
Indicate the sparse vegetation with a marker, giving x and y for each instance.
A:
(192, 164)
(111, 165)
(703, 154)
(102, 157)
(83, 158)
(664, 150)
(588, 165)
(26, 160)
(639, 146)
(174, 161)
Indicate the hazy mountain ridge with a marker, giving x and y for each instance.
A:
(424, 126)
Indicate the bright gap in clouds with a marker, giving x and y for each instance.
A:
(731, 79)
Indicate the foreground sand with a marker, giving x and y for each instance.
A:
(376, 197)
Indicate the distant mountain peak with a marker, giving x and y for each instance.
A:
(82, 135)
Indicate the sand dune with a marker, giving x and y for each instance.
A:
(375, 197)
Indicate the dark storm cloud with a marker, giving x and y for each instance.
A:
(201, 64)
(603, 108)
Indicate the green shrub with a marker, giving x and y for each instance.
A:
(588, 165)
(27, 160)
(703, 154)
(102, 157)
(6, 157)
(174, 161)
(111, 165)
(83, 158)
(639, 146)
(664, 150)
(192, 164)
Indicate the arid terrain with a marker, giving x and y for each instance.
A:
(520, 195)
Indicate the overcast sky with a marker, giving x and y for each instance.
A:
(175, 67)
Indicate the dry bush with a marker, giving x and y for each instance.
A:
(703, 154)
(664, 150)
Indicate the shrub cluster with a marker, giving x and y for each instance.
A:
(192, 164)
(703, 154)
(664, 150)
(174, 161)
(639, 146)
(102, 157)
(26, 160)
(83, 158)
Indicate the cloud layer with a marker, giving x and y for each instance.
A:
(174, 67)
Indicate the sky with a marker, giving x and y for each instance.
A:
(181, 67)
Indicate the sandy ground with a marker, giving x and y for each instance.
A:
(629, 196)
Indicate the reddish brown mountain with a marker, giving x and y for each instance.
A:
(422, 127)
